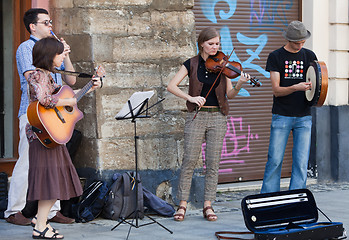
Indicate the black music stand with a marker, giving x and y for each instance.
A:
(133, 110)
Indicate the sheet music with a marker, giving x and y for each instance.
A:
(136, 102)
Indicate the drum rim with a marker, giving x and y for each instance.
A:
(320, 92)
(324, 84)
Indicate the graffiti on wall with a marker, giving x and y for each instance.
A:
(238, 139)
(263, 15)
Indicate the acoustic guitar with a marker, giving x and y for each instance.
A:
(54, 126)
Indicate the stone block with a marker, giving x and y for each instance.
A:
(173, 102)
(171, 5)
(110, 3)
(173, 25)
(116, 129)
(70, 21)
(103, 21)
(171, 67)
(337, 92)
(129, 75)
(62, 3)
(101, 46)
(116, 153)
(80, 46)
(340, 33)
(141, 49)
(157, 153)
(338, 11)
(139, 24)
(338, 62)
(173, 123)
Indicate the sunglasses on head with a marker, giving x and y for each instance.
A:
(46, 22)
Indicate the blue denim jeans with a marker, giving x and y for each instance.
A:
(281, 126)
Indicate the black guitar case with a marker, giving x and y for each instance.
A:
(287, 215)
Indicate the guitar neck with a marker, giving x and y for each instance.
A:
(83, 91)
(100, 72)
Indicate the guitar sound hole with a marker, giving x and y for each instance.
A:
(69, 108)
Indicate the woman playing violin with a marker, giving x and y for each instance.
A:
(209, 99)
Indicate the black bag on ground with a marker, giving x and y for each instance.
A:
(156, 204)
(67, 207)
(91, 202)
(121, 202)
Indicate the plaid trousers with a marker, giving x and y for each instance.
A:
(212, 127)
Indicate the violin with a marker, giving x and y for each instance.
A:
(230, 69)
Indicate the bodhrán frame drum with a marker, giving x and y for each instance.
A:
(318, 76)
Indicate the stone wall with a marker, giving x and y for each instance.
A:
(141, 44)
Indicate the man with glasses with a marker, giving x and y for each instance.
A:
(39, 25)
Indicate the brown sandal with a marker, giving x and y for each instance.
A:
(180, 216)
(209, 217)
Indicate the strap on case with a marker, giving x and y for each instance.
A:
(220, 233)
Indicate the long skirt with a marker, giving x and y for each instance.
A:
(52, 174)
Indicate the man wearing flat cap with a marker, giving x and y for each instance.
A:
(291, 112)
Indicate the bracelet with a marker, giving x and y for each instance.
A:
(236, 88)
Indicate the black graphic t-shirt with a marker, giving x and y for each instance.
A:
(292, 68)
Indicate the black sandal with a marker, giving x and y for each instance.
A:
(47, 222)
(43, 233)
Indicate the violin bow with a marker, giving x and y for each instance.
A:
(219, 74)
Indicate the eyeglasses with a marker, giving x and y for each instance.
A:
(46, 22)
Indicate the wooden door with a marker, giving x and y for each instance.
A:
(14, 15)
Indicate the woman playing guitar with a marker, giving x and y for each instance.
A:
(52, 175)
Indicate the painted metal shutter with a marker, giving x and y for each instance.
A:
(254, 29)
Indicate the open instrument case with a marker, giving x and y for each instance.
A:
(289, 215)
